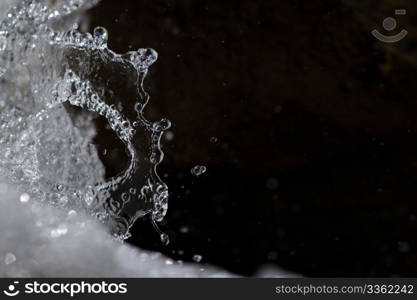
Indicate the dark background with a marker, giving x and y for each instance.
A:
(313, 164)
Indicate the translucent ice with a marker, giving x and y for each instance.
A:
(46, 64)
(57, 208)
(45, 241)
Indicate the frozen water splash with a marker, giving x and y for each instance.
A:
(44, 63)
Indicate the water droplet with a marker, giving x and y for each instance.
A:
(164, 239)
(24, 198)
(45, 147)
(169, 135)
(3, 43)
(72, 214)
(9, 258)
(197, 258)
(89, 197)
(61, 230)
(198, 170)
(100, 36)
(143, 58)
(63, 200)
(403, 247)
(125, 197)
(162, 125)
(213, 140)
(184, 229)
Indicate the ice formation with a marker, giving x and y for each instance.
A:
(57, 208)
(56, 192)
(44, 63)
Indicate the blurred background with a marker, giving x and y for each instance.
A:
(306, 124)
